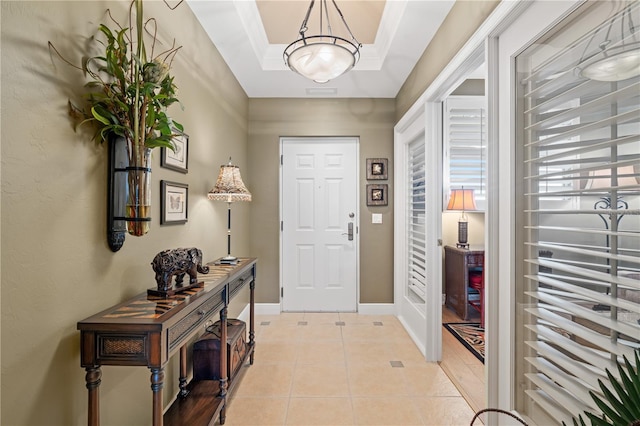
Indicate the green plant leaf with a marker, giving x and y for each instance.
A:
(598, 421)
(98, 116)
(622, 403)
(634, 373)
(612, 412)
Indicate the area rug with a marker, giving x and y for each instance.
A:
(470, 334)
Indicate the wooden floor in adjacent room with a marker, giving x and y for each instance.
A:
(463, 368)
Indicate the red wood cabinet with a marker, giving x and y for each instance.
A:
(457, 263)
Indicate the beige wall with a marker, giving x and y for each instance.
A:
(372, 121)
(463, 20)
(56, 266)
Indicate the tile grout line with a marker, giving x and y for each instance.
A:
(348, 370)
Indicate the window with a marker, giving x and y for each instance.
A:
(415, 221)
(465, 139)
(578, 160)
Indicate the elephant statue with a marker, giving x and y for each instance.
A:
(177, 262)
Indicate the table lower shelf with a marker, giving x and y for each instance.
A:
(203, 405)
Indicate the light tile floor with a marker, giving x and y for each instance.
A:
(342, 369)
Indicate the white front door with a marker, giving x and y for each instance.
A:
(319, 214)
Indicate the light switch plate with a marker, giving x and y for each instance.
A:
(376, 218)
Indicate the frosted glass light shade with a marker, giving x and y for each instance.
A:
(321, 58)
(321, 62)
(617, 67)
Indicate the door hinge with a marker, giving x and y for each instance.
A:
(281, 292)
(281, 226)
(281, 160)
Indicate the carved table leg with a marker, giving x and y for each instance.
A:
(252, 332)
(93, 379)
(223, 363)
(183, 372)
(157, 383)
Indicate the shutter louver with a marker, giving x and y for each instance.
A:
(416, 222)
(465, 135)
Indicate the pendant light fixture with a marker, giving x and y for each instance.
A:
(617, 52)
(322, 57)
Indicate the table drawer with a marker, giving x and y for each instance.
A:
(182, 329)
(238, 283)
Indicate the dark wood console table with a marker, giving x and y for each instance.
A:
(457, 263)
(148, 330)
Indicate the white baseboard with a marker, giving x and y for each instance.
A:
(376, 309)
(363, 309)
(413, 336)
(244, 315)
(267, 309)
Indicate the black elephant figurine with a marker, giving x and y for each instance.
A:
(177, 262)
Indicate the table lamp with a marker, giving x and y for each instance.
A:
(229, 188)
(462, 200)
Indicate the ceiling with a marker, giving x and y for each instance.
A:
(251, 36)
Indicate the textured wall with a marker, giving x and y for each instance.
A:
(370, 119)
(56, 266)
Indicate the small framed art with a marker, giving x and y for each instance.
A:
(377, 168)
(174, 199)
(377, 195)
(177, 160)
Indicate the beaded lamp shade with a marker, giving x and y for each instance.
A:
(229, 186)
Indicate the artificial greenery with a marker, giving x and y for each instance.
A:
(621, 404)
(130, 88)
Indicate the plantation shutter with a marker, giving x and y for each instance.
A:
(465, 125)
(579, 156)
(416, 222)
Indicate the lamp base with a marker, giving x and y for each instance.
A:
(227, 260)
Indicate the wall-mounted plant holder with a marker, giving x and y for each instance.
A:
(117, 193)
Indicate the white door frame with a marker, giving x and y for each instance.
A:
(357, 213)
(426, 116)
(412, 318)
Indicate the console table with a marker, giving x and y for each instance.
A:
(457, 263)
(148, 330)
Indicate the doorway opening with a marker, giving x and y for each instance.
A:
(426, 122)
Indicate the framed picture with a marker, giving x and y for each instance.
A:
(377, 168)
(174, 199)
(377, 195)
(177, 160)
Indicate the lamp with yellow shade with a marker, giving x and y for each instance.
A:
(462, 200)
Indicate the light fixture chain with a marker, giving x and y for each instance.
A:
(345, 23)
(303, 27)
(326, 13)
